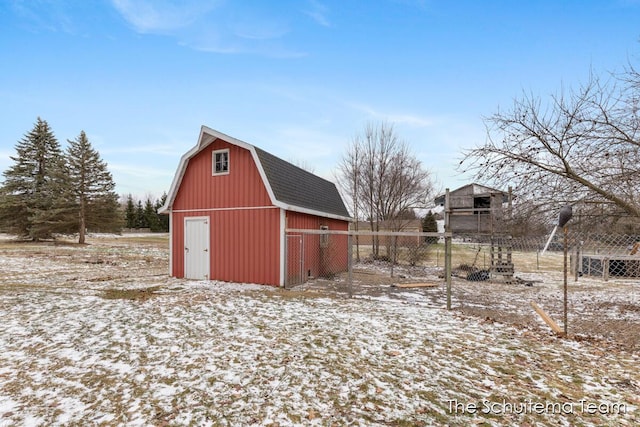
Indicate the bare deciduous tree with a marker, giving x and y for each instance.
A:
(581, 145)
(349, 180)
(382, 178)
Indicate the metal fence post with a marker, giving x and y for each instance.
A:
(350, 264)
(566, 233)
(286, 260)
(447, 246)
(447, 268)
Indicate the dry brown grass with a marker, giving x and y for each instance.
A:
(102, 327)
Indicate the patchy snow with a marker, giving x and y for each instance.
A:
(75, 351)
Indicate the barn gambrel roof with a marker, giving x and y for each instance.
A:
(289, 187)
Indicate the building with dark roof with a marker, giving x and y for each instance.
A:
(230, 204)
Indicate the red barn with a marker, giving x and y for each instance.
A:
(229, 206)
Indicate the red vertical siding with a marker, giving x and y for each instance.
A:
(317, 261)
(240, 254)
(244, 226)
(298, 270)
(245, 245)
(241, 187)
(338, 250)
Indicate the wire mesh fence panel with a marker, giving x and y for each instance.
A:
(363, 262)
(603, 278)
(314, 256)
(494, 278)
(594, 255)
(399, 257)
(295, 266)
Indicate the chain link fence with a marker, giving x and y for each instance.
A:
(403, 257)
(494, 278)
(339, 259)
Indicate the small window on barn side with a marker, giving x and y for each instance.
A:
(324, 237)
(221, 162)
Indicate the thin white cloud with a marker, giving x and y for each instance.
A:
(48, 15)
(318, 12)
(255, 26)
(411, 120)
(314, 149)
(314, 144)
(161, 16)
(395, 117)
(211, 26)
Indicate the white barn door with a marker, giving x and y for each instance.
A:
(196, 248)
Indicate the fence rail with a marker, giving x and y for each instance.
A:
(402, 256)
(494, 278)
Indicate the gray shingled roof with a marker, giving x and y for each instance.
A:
(297, 187)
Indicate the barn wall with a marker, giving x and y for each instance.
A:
(317, 261)
(338, 249)
(241, 187)
(244, 248)
(244, 225)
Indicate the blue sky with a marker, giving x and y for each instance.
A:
(297, 78)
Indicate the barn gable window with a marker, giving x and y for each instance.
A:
(220, 162)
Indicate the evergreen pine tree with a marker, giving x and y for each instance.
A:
(151, 216)
(35, 196)
(130, 213)
(96, 202)
(430, 225)
(141, 221)
(163, 219)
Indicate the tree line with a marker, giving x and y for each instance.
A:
(48, 190)
(145, 215)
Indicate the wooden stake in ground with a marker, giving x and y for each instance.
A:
(548, 320)
(415, 285)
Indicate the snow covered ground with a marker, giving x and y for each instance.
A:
(98, 335)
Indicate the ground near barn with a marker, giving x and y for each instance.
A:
(606, 312)
(98, 335)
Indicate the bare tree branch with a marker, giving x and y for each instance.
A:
(382, 178)
(579, 145)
